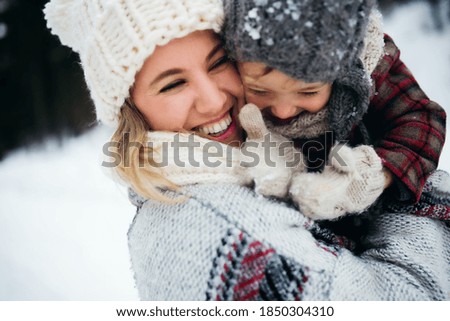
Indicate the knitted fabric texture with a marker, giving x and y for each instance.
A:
(246, 269)
(238, 245)
(188, 159)
(352, 181)
(373, 49)
(434, 201)
(276, 164)
(113, 38)
(349, 100)
(226, 243)
(308, 39)
(305, 125)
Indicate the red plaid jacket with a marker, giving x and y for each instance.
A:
(407, 129)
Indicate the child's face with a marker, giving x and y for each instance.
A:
(280, 94)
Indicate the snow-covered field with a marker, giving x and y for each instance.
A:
(63, 225)
(63, 222)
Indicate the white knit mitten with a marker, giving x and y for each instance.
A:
(352, 182)
(269, 159)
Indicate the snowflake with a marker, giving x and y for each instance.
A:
(295, 15)
(251, 24)
(253, 13)
(270, 42)
(253, 33)
(278, 10)
(277, 5)
(261, 3)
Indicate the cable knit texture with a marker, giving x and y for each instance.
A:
(114, 37)
(373, 48)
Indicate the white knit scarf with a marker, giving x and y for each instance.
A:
(187, 158)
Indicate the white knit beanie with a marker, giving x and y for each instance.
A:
(114, 37)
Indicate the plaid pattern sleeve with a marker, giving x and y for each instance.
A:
(408, 129)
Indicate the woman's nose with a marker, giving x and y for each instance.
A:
(284, 111)
(211, 98)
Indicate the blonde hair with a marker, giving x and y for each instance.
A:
(136, 167)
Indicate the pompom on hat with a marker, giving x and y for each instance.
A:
(311, 40)
(114, 37)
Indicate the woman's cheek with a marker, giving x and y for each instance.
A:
(172, 117)
(230, 82)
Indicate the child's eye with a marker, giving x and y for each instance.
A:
(219, 62)
(257, 91)
(309, 93)
(172, 85)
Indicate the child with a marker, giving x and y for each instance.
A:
(300, 62)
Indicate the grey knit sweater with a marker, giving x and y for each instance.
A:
(227, 243)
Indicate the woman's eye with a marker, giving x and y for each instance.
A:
(172, 85)
(219, 62)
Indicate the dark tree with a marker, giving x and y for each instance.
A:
(42, 88)
(440, 9)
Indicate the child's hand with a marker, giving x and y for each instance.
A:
(352, 182)
(269, 159)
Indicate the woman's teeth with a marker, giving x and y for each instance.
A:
(216, 128)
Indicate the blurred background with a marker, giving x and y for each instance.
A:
(42, 87)
(63, 222)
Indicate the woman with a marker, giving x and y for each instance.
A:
(157, 71)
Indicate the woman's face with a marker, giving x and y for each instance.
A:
(190, 84)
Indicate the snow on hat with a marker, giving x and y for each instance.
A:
(311, 40)
(114, 37)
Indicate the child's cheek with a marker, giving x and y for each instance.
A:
(261, 102)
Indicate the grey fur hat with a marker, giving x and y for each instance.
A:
(311, 40)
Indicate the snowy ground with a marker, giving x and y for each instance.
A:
(63, 222)
(63, 225)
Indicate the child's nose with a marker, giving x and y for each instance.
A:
(284, 111)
